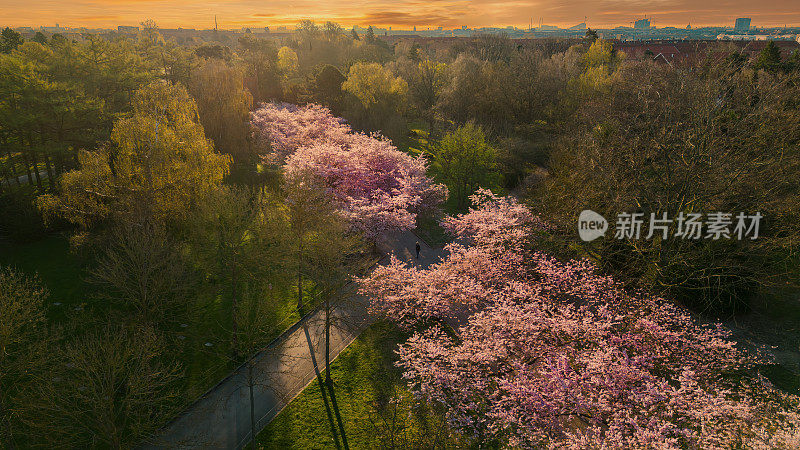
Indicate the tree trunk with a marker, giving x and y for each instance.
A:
(300, 276)
(59, 164)
(11, 165)
(27, 168)
(47, 166)
(234, 309)
(328, 341)
(50, 173)
(36, 169)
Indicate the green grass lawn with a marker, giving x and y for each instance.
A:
(73, 301)
(61, 272)
(365, 380)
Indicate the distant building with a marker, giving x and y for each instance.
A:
(742, 24)
(580, 26)
(642, 24)
(55, 29)
(744, 37)
(127, 29)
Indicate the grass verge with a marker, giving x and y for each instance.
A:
(376, 408)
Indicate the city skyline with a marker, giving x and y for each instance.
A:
(404, 14)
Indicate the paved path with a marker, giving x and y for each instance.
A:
(221, 418)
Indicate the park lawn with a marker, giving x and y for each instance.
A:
(415, 141)
(365, 379)
(65, 274)
(61, 272)
(206, 365)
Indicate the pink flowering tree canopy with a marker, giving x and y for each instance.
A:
(554, 355)
(377, 187)
(280, 129)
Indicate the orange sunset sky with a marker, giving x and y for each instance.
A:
(396, 13)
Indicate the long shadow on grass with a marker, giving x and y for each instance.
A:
(338, 415)
(312, 352)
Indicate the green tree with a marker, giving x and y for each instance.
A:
(40, 38)
(214, 51)
(158, 164)
(600, 53)
(770, 58)
(793, 64)
(223, 105)
(380, 94)
(44, 120)
(22, 332)
(260, 57)
(332, 31)
(684, 141)
(375, 86)
(308, 206)
(426, 81)
(327, 87)
(466, 161)
(308, 32)
(238, 236)
(287, 61)
(9, 40)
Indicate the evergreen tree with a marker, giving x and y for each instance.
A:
(10, 40)
(770, 58)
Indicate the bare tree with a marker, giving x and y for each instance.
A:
(109, 388)
(673, 140)
(22, 335)
(143, 270)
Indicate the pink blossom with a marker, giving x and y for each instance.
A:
(378, 187)
(555, 355)
(281, 128)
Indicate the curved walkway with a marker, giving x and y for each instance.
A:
(221, 417)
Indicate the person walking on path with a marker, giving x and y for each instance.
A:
(417, 248)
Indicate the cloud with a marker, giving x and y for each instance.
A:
(398, 13)
(389, 18)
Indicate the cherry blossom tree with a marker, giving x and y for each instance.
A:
(377, 187)
(555, 355)
(281, 128)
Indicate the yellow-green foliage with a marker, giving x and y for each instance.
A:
(158, 163)
(287, 61)
(372, 84)
(600, 53)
